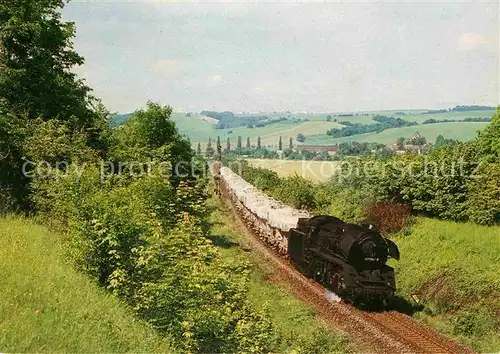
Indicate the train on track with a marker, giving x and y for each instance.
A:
(351, 260)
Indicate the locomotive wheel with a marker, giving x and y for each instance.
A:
(335, 282)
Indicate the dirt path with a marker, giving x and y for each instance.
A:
(387, 332)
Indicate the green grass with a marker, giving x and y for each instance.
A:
(46, 306)
(317, 171)
(296, 323)
(462, 131)
(455, 269)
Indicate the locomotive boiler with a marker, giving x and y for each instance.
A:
(349, 259)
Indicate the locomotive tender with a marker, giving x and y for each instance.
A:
(348, 259)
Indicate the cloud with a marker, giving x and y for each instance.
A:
(168, 67)
(471, 41)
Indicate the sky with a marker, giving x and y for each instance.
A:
(289, 56)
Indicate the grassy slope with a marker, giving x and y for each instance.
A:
(296, 323)
(455, 269)
(45, 305)
(315, 130)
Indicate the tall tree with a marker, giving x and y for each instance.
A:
(198, 149)
(228, 144)
(209, 150)
(239, 146)
(280, 144)
(290, 144)
(35, 64)
(400, 142)
(248, 142)
(258, 143)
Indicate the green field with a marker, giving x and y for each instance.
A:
(462, 131)
(46, 306)
(199, 128)
(317, 171)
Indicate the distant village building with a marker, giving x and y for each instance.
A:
(330, 149)
(416, 144)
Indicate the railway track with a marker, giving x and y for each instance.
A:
(379, 332)
(424, 339)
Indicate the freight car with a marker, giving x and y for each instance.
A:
(349, 259)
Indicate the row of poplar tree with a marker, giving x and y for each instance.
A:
(210, 151)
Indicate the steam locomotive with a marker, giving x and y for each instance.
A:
(348, 259)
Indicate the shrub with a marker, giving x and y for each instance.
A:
(296, 192)
(389, 217)
(484, 195)
(471, 324)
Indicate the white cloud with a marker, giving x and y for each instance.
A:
(470, 41)
(168, 67)
(217, 78)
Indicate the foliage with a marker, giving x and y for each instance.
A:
(301, 138)
(484, 195)
(435, 184)
(261, 178)
(209, 150)
(442, 141)
(389, 218)
(383, 123)
(229, 120)
(296, 192)
(36, 59)
(489, 140)
(13, 184)
(471, 108)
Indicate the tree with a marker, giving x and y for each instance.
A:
(248, 142)
(489, 140)
(35, 65)
(400, 142)
(209, 151)
(239, 145)
(147, 133)
(328, 118)
(198, 149)
(228, 144)
(301, 138)
(290, 144)
(258, 143)
(280, 144)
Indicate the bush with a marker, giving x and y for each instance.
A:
(484, 195)
(296, 192)
(389, 217)
(471, 324)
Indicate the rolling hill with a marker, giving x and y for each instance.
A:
(313, 126)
